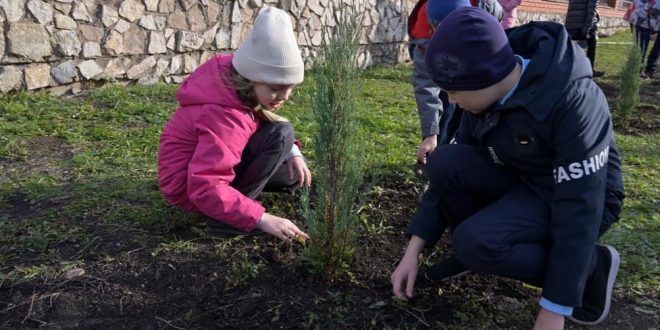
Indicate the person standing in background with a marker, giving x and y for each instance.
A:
(510, 12)
(582, 25)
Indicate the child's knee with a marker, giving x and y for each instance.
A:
(473, 250)
(444, 164)
(284, 132)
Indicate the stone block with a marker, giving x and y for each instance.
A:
(152, 5)
(166, 6)
(131, 10)
(109, 16)
(114, 69)
(175, 64)
(222, 39)
(80, 12)
(177, 20)
(11, 78)
(14, 9)
(135, 41)
(37, 76)
(114, 43)
(190, 63)
(196, 19)
(64, 8)
(148, 22)
(91, 32)
(141, 69)
(29, 40)
(122, 26)
(156, 43)
(91, 49)
(42, 11)
(65, 72)
(67, 43)
(189, 41)
(65, 22)
(89, 69)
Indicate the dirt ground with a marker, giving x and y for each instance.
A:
(128, 278)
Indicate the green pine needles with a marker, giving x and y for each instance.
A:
(630, 83)
(338, 150)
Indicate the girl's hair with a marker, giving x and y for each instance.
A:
(245, 90)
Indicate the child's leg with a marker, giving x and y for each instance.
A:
(263, 158)
(653, 57)
(509, 238)
(643, 37)
(592, 38)
(462, 181)
(465, 180)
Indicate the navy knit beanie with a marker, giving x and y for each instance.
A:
(469, 51)
(438, 9)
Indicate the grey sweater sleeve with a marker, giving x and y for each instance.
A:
(427, 93)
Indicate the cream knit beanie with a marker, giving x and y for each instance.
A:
(270, 53)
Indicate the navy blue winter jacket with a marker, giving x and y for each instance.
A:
(555, 133)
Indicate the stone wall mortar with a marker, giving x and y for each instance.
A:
(66, 45)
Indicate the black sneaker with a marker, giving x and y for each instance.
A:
(598, 290)
(217, 228)
(445, 270)
(598, 74)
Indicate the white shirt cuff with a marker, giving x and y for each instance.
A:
(295, 152)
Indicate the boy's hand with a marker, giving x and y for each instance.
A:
(427, 146)
(406, 271)
(281, 228)
(405, 274)
(548, 320)
(298, 167)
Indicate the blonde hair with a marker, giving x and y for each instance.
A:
(245, 91)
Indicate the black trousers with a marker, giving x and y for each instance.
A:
(262, 165)
(500, 226)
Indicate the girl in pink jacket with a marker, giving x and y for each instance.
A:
(225, 144)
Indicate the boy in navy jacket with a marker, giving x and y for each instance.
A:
(535, 176)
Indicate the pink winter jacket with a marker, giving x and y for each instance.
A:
(510, 12)
(203, 142)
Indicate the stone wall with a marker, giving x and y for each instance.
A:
(607, 25)
(69, 45)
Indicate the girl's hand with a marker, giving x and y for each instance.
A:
(298, 167)
(281, 228)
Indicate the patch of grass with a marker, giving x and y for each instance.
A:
(637, 235)
(244, 268)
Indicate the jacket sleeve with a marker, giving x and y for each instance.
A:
(211, 170)
(492, 7)
(429, 105)
(582, 137)
(427, 223)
